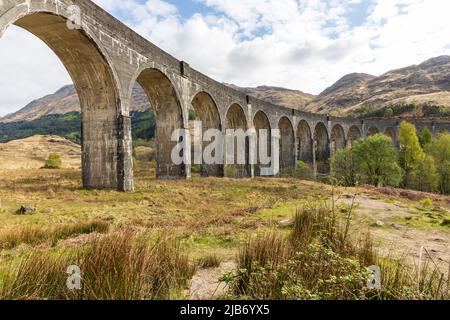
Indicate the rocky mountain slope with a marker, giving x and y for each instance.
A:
(285, 97)
(426, 83)
(63, 101)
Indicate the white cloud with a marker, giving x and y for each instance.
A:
(307, 44)
(29, 70)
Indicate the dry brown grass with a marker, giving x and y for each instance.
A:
(32, 152)
(211, 217)
(120, 266)
(34, 235)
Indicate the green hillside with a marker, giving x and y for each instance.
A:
(69, 126)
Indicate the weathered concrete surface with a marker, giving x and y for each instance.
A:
(105, 59)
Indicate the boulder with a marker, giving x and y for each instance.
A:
(25, 209)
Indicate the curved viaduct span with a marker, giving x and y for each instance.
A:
(105, 58)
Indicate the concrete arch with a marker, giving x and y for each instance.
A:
(236, 120)
(322, 148)
(337, 138)
(305, 142)
(372, 131)
(207, 112)
(287, 143)
(353, 135)
(390, 132)
(261, 122)
(169, 117)
(106, 148)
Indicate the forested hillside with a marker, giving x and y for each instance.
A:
(69, 126)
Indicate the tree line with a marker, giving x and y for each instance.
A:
(69, 126)
(421, 163)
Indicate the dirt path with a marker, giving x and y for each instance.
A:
(399, 238)
(205, 284)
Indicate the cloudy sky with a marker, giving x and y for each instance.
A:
(298, 44)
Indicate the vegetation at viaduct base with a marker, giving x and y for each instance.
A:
(421, 163)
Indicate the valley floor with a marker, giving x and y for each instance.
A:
(212, 216)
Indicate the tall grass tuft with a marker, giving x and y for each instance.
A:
(209, 261)
(34, 235)
(119, 266)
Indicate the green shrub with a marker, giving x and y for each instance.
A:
(427, 202)
(344, 168)
(377, 160)
(230, 171)
(53, 161)
(196, 168)
(302, 171)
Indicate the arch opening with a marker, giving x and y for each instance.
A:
(236, 120)
(354, 134)
(305, 143)
(390, 132)
(261, 122)
(372, 131)
(169, 117)
(287, 144)
(106, 163)
(205, 110)
(337, 138)
(322, 149)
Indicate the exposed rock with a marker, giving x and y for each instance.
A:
(285, 223)
(26, 209)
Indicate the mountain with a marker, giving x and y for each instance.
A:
(284, 97)
(63, 101)
(424, 84)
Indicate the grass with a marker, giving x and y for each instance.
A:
(211, 219)
(34, 235)
(120, 266)
(208, 261)
(426, 219)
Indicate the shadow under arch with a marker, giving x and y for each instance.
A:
(261, 122)
(390, 132)
(105, 163)
(372, 131)
(353, 135)
(236, 120)
(337, 138)
(322, 148)
(305, 142)
(169, 118)
(287, 143)
(207, 112)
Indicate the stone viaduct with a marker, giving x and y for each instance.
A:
(105, 59)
